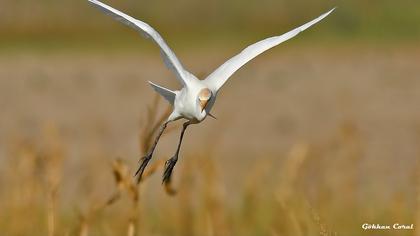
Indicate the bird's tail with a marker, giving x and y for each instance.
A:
(168, 94)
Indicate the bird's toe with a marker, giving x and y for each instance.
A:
(169, 166)
(144, 161)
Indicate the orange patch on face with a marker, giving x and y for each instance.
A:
(204, 94)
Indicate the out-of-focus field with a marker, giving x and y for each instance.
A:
(307, 140)
(314, 137)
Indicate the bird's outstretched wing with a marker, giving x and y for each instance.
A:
(147, 31)
(216, 79)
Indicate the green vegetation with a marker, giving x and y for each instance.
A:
(209, 21)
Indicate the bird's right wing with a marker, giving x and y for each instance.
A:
(216, 79)
(164, 92)
(147, 31)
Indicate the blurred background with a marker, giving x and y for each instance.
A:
(314, 137)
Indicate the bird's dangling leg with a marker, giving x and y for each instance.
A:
(170, 164)
(145, 160)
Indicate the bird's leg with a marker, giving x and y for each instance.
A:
(170, 164)
(145, 160)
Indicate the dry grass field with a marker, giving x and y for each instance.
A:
(310, 140)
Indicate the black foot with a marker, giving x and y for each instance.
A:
(144, 161)
(169, 166)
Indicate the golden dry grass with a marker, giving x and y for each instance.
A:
(338, 150)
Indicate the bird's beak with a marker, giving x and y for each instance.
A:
(203, 104)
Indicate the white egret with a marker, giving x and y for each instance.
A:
(196, 98)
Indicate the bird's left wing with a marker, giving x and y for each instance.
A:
(147, 31)
(216, 79)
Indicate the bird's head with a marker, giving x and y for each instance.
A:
(204, 97)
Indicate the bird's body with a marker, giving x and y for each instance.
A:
(196, 98)
(186, 105)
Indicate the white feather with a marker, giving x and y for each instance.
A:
(146, 30)
(185, 101)
(216, 79)
(169, 95)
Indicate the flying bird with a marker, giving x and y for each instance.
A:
(197, 97)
